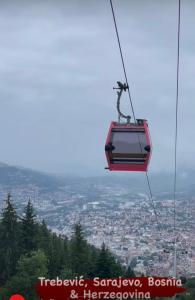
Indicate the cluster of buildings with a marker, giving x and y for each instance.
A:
(125, 221)
(131, 231)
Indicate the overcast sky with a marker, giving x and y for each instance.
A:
(58, 63)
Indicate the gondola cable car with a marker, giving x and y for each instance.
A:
(128, 145)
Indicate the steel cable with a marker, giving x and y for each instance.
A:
(131, 103)
(175, 143)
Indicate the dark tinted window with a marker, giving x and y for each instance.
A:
(129, 142)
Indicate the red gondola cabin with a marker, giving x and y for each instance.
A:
(128, 146)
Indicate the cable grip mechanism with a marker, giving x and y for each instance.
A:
(121, 87)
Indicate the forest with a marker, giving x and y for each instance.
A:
(29, 250)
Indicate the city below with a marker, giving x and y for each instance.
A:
(119, 215)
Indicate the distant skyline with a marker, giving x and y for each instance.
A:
(58, 63)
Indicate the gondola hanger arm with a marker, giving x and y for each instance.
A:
(121, 87)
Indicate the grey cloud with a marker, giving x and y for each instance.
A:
(58, 64)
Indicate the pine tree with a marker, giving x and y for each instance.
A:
(43, 237)
(79, 252)
(55, 256)
(29, 228)
(66, 271)
(93, 256)
(129, 273)
(107, 266)
(9, 246)
(65, 249)
(103, 268)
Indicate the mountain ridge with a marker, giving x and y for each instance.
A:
(16, 176)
